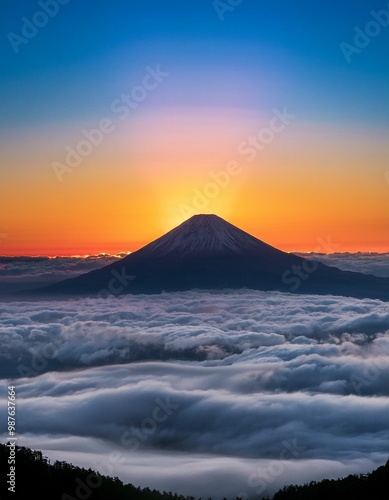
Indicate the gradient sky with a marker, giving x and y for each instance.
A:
(318, 184)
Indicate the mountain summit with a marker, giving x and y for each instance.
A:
(206, 235)
(206, 252)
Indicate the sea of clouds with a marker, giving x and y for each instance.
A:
(361, 262)
(24, 272)
(204, 393)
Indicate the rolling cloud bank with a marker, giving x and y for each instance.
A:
(225, 393)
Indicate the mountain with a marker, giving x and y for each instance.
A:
(206, 252)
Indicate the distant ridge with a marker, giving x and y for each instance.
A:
(207, 252)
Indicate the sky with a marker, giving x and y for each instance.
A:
(122, 119)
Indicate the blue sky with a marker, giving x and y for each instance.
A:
(227, 73)
(77, 63)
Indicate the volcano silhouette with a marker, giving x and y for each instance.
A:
(206, 252)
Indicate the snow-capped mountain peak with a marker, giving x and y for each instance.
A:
(205, 235)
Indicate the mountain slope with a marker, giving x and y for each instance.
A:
(206, 252)
(372, 486)
(35, 477)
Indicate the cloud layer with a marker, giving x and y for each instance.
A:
(19, 273)
(361, 262)
(212, 328)
(206, 393)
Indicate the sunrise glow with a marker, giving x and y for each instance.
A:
(319, 174)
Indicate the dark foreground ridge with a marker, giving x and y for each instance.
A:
(373, 486)
(206, 252)
(35, 477)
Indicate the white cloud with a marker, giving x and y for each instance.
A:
(245, 371)
(361, 262)
(19, 273)
(220, 417)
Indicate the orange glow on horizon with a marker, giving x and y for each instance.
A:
(156, 172)
(326, 244)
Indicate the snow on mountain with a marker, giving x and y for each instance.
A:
(206, 235)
